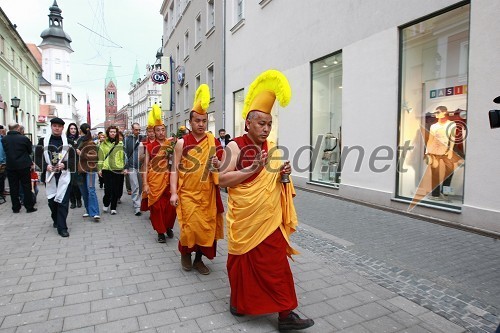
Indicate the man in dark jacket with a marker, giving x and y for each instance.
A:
(133, 166)
(56, 158)
(18, 149)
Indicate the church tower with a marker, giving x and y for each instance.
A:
(110, 98)
(56, 50)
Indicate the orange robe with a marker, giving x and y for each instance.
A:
(162, 214)
(260, 218)
(200, 208)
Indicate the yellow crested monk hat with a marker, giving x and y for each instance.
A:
(264, 90)
(201, 99)
(154, 117)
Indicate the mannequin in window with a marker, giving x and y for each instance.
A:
(439, 150)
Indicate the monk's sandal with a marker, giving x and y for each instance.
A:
(293, 322)
(186, 262)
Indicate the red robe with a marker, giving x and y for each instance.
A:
(209, 252)
(162, 213)
(261, 279)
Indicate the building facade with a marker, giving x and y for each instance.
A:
(143, 94)
(19, 72)
(193, 40)
(366, 82)
(55, 82)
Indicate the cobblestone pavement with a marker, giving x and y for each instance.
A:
(452, 272)
(112, 276)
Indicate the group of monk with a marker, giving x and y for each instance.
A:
(182, 179)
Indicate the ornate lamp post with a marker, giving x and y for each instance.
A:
(15, 104)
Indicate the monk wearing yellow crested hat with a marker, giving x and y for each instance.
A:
(156, 177)
(194, 188)
(261, 215)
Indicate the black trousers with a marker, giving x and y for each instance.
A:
(59, 212)
(2, 182)
(113, 188)
(20, 177)
(74, 193)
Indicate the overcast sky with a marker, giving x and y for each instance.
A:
(131, 30)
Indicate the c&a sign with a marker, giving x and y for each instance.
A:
(159, 77)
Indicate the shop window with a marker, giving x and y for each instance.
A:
(211, 123)
(327, 119)
(433, 109)
(239, 122)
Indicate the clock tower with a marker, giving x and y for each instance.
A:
(110, 98)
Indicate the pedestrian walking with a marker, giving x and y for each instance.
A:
(18, 150)
(194, 188)
(75, 197)
(56, 158)
(87, 169)
(111, 167)
(261, 215)
(133, 166)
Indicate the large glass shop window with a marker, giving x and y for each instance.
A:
(327, 119)
(433, 109)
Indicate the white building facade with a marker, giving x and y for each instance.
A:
(366, 81)
(193, 40)
(144, 93)
(56, 52)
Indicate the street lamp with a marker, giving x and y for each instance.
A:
(15, 104)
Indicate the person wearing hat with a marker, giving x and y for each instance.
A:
(156, 178)
(87, 169)
(194, 188)
(439, 150)
(18, 163)
(261, 215)
(150, 138)
(56, 158)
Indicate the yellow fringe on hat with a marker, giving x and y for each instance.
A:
(154, 117)
(268, 83)
(201, 99)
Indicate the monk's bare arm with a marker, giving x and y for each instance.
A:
(174, 175)
(145, 186)
(228, 175)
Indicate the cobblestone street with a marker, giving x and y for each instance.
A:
(112, 276)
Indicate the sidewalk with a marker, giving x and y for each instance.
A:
(112, 276)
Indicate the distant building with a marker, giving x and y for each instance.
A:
(55, 82)
(110, 98)
(143, 94)
(19, 72)
(121, 118)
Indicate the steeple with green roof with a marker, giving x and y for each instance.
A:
(136, 75)
(110, 75)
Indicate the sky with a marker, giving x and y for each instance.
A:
(124, 31)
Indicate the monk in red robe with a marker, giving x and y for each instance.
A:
(261, 215)
(194, 188)
(156, 180)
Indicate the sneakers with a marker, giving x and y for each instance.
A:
(97, 218)
(293, 322)
(138, 213)
(170, 233)
(186, 263)
(85, 215)
(113, 212)
(105, 209)
(161, 238)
